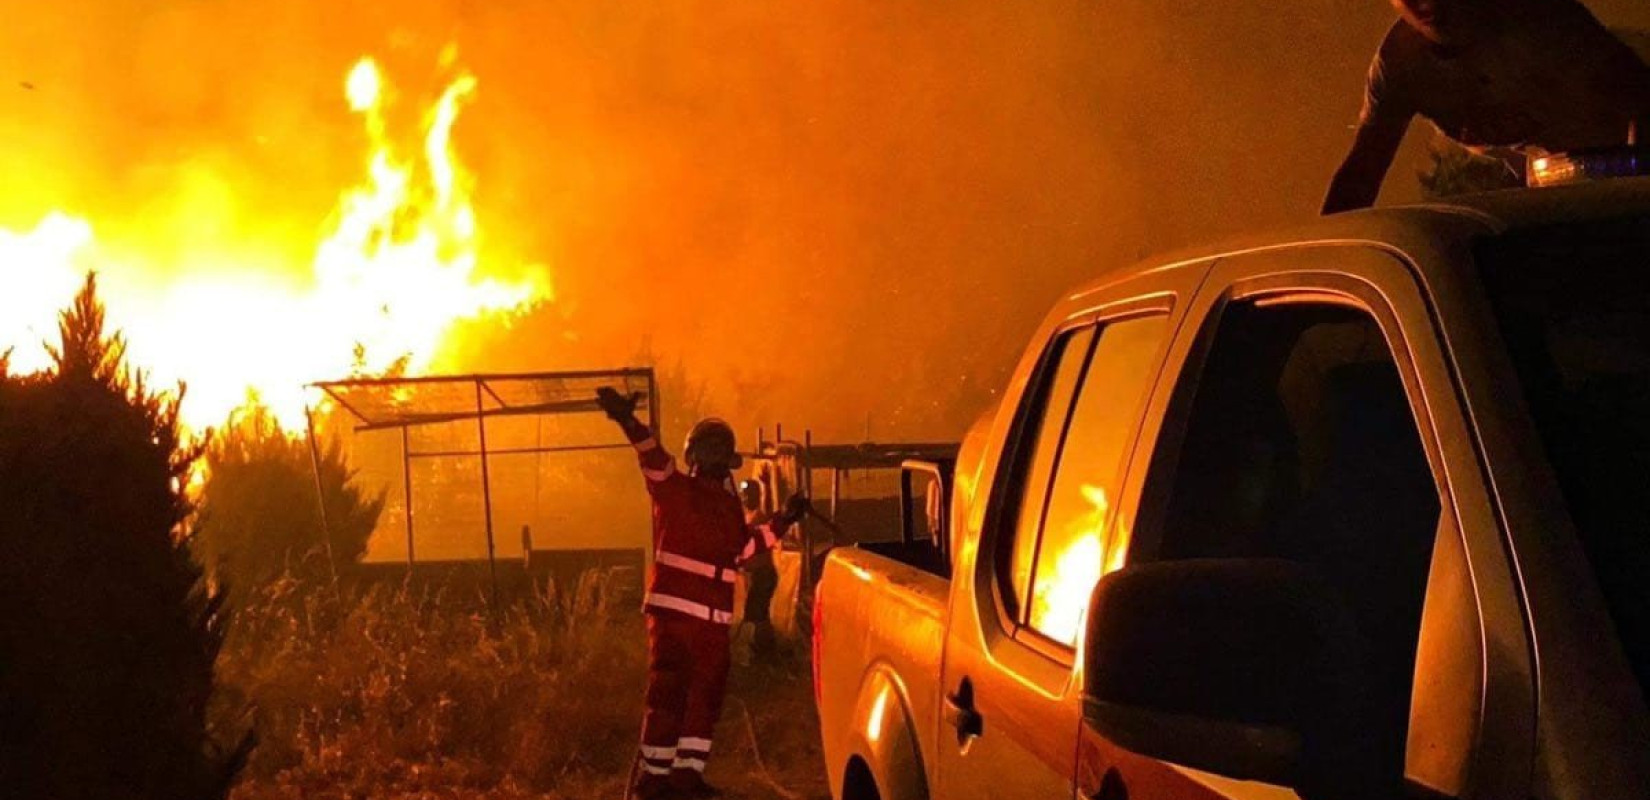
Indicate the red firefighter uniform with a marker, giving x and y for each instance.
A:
(699, 540)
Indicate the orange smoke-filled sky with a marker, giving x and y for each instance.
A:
(826, 211)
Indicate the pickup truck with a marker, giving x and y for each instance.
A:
(1359, 510)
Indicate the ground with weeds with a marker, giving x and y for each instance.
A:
(390, 693)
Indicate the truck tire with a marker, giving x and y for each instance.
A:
(858, 783)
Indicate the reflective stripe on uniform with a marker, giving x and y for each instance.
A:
(695, 764)
(652, 770)
(647, 444)
(657, 475)
(768, 540)
(659, 753)
(693, 743)
(701, 568)
(689, 607)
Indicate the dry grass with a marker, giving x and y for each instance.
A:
(390, 693)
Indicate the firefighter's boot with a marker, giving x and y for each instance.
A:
(689, 783)
(653, 787)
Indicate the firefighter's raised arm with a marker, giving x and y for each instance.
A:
(766, 536)
(657, 465)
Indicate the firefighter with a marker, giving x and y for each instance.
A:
(761, 579)
(1521, 76)
(699, 541)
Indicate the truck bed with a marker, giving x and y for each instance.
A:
(881, 623)
(922, 555)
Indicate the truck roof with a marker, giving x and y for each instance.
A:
(1407, 227)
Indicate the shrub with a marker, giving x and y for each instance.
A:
(259, 517)
(107, 636)
(388, 691)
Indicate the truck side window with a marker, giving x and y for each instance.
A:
(1041, 424)
(1074, 544)
(1299, 443)
(1082, 426)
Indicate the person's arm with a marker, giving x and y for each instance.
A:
(1358, 182)
(765, 537)
(1381, 128)
(657, 464)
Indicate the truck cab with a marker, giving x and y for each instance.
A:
(1357, 510)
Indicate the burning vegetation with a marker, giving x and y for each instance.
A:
(202, 554)
(395, 270)
(844, 215)
(129, 672)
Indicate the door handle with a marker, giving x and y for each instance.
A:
(961, 714)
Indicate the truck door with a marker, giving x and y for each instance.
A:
(1011, 707)
(1307, 413)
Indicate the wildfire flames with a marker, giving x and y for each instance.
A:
(393, 274)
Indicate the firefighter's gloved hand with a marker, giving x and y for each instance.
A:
(617, 407)
(796, 508)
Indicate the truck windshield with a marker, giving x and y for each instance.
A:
(1573, 303)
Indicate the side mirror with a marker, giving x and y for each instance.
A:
(925, 507)
(1248, 668)
(924, 488)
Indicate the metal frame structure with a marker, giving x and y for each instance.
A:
(395, 407)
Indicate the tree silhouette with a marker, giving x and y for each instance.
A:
(259, 519)
(107, 633)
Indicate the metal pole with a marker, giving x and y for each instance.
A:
(320, 494)
(538, 467)
(805, 485)
(518, 451)
(487, 498)
(653, 406)
(653, 424)
(406, 493)
(836, 491)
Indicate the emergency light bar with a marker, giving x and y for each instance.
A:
(1587, 165)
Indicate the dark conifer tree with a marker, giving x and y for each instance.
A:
(107, 633)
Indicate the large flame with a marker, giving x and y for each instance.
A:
(40, 270)
(388, 282)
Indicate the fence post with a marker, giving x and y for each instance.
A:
(487, 499)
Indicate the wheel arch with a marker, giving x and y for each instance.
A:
(884, 741)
